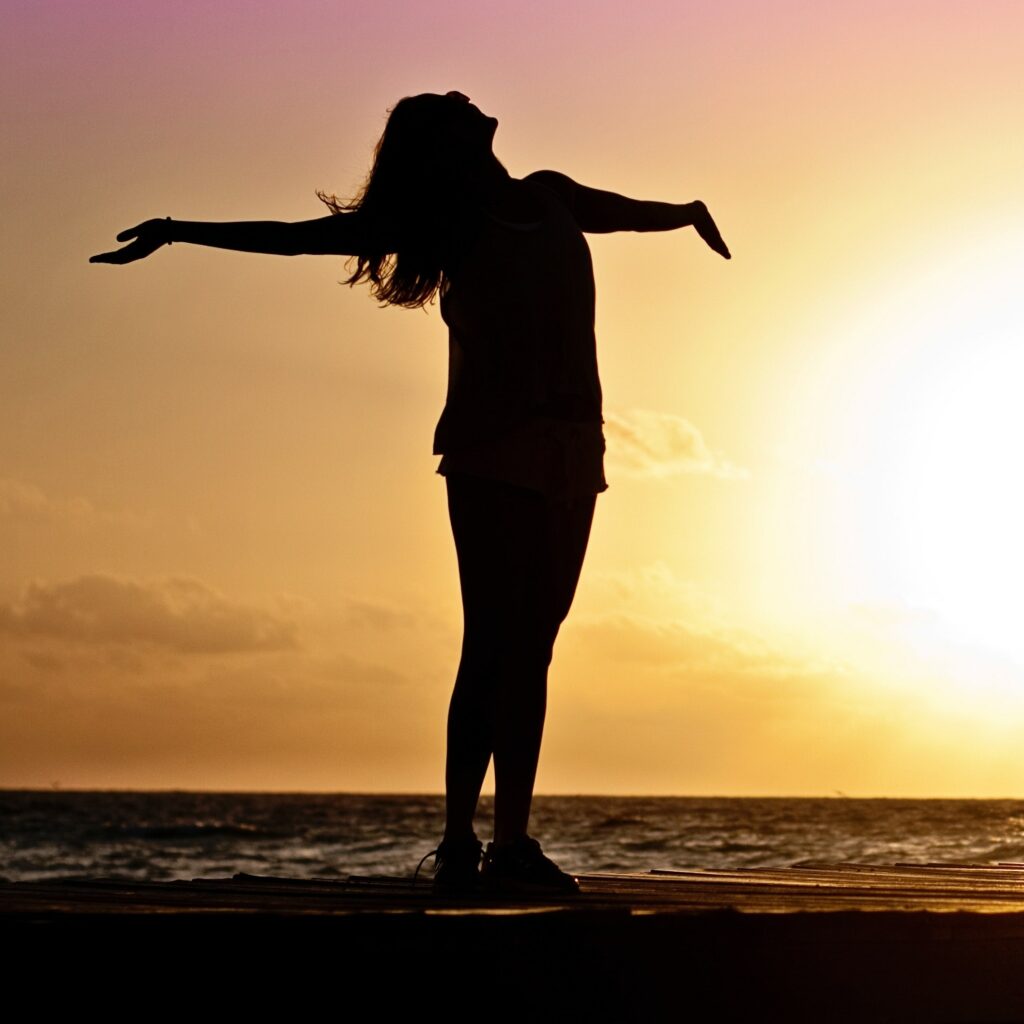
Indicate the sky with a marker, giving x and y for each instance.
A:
(226, 561)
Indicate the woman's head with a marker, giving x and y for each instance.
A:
(438, 134)
(428, 170)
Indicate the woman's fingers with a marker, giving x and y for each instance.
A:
(708, 230)
(108, 257)
(132, 232)
(148, 237)
(117, 256)
(137, 250)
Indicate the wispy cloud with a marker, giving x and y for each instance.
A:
(25, 501)
(177, 614)
(379, 616)
(21, 501)
(658, 444)
(678, 650)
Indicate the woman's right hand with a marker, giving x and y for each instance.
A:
(149, 236)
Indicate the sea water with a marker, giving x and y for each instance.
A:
(158, 836)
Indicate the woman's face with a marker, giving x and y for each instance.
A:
(468, 117)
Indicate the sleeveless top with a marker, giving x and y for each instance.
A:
(524, 396)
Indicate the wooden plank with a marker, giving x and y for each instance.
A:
(815, 942)
(803, 889)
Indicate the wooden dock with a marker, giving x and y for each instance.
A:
(818, 942)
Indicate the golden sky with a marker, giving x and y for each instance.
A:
(226, 561)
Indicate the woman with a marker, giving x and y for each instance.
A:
(520, 435)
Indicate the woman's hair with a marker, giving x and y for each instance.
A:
(420, 190)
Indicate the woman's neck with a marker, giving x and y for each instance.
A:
(494, 179)
(504, 196)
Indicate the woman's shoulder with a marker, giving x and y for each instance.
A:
(553, 183)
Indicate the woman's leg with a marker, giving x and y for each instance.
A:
(470, 741)
(520, 557)
(478, 512)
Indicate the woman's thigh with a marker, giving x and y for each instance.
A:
(519, 554)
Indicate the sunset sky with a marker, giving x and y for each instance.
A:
(226, 561)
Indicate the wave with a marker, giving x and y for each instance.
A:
(162, 836)
(189, 830)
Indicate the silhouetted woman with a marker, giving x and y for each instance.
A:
(520, 435)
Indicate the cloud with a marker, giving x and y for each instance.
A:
(379, 616)
(658, 444)
(43, 661)
(342, 668)
(22, 502)
(175, 614)
(26, 502)
(674, 627)
(677, 649)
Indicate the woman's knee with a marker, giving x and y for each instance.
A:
(497, 651)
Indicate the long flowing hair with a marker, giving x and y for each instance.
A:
(423, 190)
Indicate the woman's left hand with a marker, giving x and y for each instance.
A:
(149, 236)
(708, 230)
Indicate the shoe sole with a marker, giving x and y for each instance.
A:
(517, 887)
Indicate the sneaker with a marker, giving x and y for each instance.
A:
(456, 866)
(521, 868)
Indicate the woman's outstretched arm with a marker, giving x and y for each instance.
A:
(345, 234)
(600, 212)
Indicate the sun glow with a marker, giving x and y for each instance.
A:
(941, 502)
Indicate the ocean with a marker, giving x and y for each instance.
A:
(160, 836)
